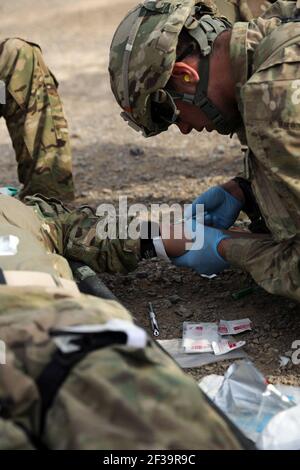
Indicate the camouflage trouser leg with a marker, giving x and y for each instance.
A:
(35, 121)
(274, 266)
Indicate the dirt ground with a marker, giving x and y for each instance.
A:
(112, 160)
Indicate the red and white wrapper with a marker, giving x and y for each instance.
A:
(225, 345)
(198, 337)
(234, 327)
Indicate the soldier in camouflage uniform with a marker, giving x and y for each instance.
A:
(166, 61)
(79, 374)
(35, 120)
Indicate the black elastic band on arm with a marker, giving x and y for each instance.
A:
(251, 208)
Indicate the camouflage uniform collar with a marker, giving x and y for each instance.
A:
(239, 55)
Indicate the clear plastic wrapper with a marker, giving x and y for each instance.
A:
(187, 361)
(246, 398)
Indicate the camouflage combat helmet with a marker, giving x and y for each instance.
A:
(142, 56)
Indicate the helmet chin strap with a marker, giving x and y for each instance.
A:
(205, 31)
(222, 125)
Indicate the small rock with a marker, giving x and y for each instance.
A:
(184, 312)
(157, 276)
(146, 178)
(255, 341)
(196, 289)
(220, 149)
(136, 151)
(128, 279)
(174, 299)
(275, 351)
(141, 274)
(168, 304)
(218, 152)
(290, 365)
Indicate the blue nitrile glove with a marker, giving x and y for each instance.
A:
(221, 209)
(9, 191)
(205, 259)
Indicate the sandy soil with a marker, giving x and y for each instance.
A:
(75, 37)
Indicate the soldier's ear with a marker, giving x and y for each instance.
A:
(185, 73)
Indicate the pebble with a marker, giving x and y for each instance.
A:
(184, 312)
(141, 274)
(136, 151)
(220, 149)
(174, 299)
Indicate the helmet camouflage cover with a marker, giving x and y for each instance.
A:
(142, 56)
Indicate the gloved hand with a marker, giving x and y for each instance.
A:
(221, 209)
(205, 258)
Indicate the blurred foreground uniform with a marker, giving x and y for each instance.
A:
(35, 120)
(116, 389)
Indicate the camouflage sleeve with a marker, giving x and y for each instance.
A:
(74, 235)
(250, 9)
(35, 121)
(274, 266)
